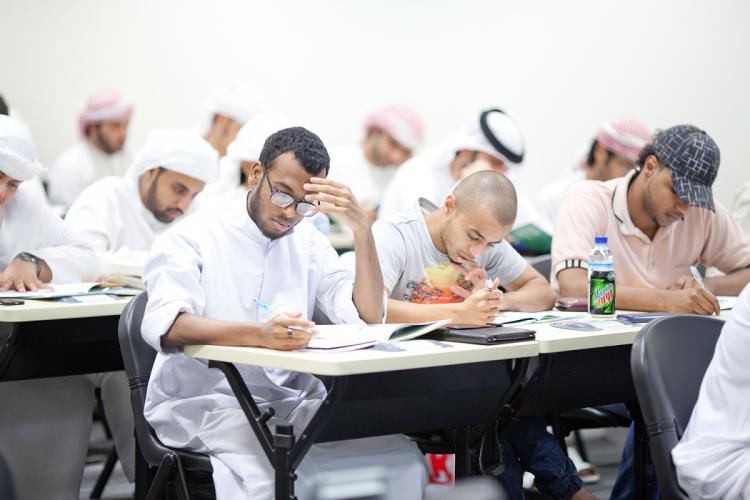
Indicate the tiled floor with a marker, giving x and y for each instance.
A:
(603, 451)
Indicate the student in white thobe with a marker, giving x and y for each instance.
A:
(713, 456)
(119, 218)
(202, 277)
(228, 109)
(391, 136)
(490, 141)
(100, 152)
(40, 420)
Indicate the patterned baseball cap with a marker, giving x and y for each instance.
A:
(693, 158)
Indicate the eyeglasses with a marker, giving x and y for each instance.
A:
(283, 200)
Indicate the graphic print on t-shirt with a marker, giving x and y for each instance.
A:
(435, 287)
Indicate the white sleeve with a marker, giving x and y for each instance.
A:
(713, 457)
(69, 258)
(64, 182)
(335, 294)
(397, 197)
(92, 217)
(172, 276)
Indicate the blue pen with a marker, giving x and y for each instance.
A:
(270, 309)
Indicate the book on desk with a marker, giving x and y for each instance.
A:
(337, 338)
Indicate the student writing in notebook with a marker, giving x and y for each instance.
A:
(202, 277)
(660, 220)
(435, 263)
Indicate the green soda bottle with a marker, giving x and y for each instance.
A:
(601, 279)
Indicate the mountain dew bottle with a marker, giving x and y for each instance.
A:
(601, 279)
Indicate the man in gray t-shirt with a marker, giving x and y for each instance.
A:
(435, 261)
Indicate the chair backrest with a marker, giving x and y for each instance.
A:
(543, 264)
(668, 361)
(138, 358)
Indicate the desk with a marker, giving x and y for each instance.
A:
(578, 369)
(449, 387)
(44, 338)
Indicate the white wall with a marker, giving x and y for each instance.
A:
(559, 67)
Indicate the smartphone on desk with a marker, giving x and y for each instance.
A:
(11, 302)
(483, 335)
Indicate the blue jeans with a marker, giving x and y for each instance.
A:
(624, 487)
(528, 446)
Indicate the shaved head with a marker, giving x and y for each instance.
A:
(491, 191)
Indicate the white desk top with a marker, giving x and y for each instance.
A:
(366, 360)
(551, 339)
(38, 310)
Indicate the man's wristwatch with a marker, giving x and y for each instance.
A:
(27, 257)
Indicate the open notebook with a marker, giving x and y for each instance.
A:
(332, 338)
(56, 291)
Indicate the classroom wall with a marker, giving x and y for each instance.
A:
(559, 67)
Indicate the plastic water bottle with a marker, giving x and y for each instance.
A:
(321, 223)
(601, 279)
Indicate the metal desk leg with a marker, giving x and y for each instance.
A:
(282, 450)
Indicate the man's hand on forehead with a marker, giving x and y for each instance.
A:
(336, 199)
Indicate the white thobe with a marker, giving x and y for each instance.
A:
(551, 196)
(428, 176)
(713, 457)
(29, 225)
(45, 423)
(111, 218)
(214, 264)
(368, 182)
(79, 166)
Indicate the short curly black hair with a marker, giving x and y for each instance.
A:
(307, 148)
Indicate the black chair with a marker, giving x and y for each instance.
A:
(542, 263)
(668, 360)
(7, 491)
(171, 469)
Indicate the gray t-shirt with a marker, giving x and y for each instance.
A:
(415, 271)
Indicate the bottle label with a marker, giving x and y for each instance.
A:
(602, 293)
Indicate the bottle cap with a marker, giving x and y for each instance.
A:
(600, 240)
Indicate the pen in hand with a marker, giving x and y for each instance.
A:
(270, 309)
(697, 276)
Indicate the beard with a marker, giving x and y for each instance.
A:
(444, 241)
(255, 211)
(105, 145)
(152, 204)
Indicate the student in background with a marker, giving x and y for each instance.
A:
(119, 217)
(612, 154)
(40, 432)
(713, 457)
(242, 153)
(391, 136)
(202, 276)
(228, 109)
(489, 141)
(100, 151)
